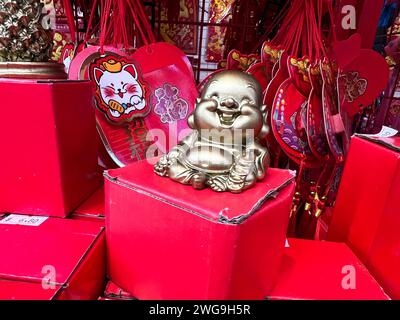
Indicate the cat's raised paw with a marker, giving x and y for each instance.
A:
(138, 102)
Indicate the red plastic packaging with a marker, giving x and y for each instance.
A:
(53, 253)
(366, 213)
(49, 158)
(168, 241)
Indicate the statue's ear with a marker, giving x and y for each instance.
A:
(264, 131)
(191, 117)
(264, 109)
(265, 128)
(191, 121)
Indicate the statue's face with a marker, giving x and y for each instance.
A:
(230, 100)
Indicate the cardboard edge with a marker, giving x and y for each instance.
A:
(57, 81)
(94, 281)
(270, 194)
(148, 194)
(28, 279)
(221, 218)
(377, 141)
(101, 186)
(120, 295)
(56, 292)
(83, 257)
(99, 216)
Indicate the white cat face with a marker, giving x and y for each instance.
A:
(120, 93)
(118, 86)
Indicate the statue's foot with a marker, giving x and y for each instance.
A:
(237, 184)
(161, 166)
(199, 181)
(235, 187)
(218, 183)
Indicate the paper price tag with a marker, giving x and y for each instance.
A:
(386, 132)
(23, 220)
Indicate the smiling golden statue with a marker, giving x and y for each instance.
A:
(223, 151)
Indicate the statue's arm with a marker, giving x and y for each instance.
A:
(261, 159)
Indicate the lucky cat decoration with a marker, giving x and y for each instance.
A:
(120, 91)
(223, 152)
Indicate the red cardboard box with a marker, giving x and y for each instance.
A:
(55, 252)
(92, 209)
(166, 240)
(367, 211)
(21, 290)
(49, 160)
(318, 270)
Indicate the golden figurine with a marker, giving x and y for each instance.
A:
(223, 152)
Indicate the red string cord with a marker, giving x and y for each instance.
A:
(70, 19)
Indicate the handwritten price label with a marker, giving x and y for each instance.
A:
(23, 220)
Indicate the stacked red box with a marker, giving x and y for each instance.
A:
(51, 258)
(166, 240)
(367, 211)
(319, 270)
(22, 290)
(91, 209)
(49, 157)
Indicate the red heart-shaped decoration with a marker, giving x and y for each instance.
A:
(160, 54)
(345, 51)
(161, 84)
(362, 80)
